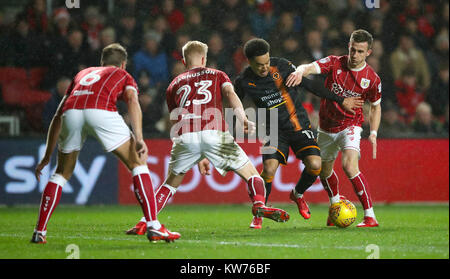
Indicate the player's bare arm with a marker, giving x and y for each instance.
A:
(374, 122)
(135, 112)
(236, 104)
(295, 78)
(204, 167)
(52, 138)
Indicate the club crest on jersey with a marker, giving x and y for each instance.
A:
(365, 83)
(275, 76)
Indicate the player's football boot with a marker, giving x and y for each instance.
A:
(256, 223)
(38, 238)
(368, 222)
(329, 222)
(276, 214)
(162, 234)
(303, 208)
(139, 229)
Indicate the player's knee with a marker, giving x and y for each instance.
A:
(314, 166)
(350, 169)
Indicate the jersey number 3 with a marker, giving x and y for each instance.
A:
(202, 89)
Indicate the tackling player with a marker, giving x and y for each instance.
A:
(199, 131)
(264, 81)
(89, 107)
(347, 75)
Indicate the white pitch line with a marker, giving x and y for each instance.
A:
(410, 248)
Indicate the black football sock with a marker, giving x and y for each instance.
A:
(305, 181)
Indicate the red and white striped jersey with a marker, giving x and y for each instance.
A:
(98, 88)
(194, 99)
(345, 82)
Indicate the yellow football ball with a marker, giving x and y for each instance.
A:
(342, 213)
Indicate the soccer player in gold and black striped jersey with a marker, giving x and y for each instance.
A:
(264, 82)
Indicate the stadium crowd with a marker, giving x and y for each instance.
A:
(410, 50)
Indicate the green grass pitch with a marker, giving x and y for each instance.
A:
(221, 232)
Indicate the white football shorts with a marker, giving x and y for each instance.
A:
(108, 127)
(218, 146)
(331, 143)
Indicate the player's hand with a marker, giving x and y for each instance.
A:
(38, 171)
(295, 78)
(249, 127)
(351, 103)
(141, 148)
(203, 167)
(373, 141)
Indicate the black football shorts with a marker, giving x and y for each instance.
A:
(303, 143)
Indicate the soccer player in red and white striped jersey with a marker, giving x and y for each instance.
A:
(347, 76)
(89, 107)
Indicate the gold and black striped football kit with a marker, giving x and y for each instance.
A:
(270, 92)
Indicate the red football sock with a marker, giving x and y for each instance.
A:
(331, 184)
(163, 194)
(143, 190)
(360, 186)
(256, 189)
(49, 201)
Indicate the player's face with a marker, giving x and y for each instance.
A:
(357, 53)
(260, 65)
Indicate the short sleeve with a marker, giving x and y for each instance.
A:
(130, 83)
(224, 80)
(169, 98)
(325, 65)
(374, 94)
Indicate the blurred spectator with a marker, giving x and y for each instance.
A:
(36, 16)
(445, 126)
(195, 26)
(168, 40)
(217, 55)
(92, 26)
(129, 30)
(392, 124)
(285, 28)
(52, 104)
(207, 10)
(173, 15)
(237, 8)
(152, 59)
(263, 19)
(68, 59)
(289, 50)
(181, 40)
(438, 93)
(239, 59)
(408, 94)
(424, 122)
(61, 23)
(231, 32)
(314, 49)
(27, 47)
(406, 55)
(439, 50)
(107, 36)
(355, 10)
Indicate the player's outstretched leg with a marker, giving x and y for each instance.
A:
(256, 191)
(361, 189)
(162, 195)
(309, 175)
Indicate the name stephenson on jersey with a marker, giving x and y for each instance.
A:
(270, 92)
